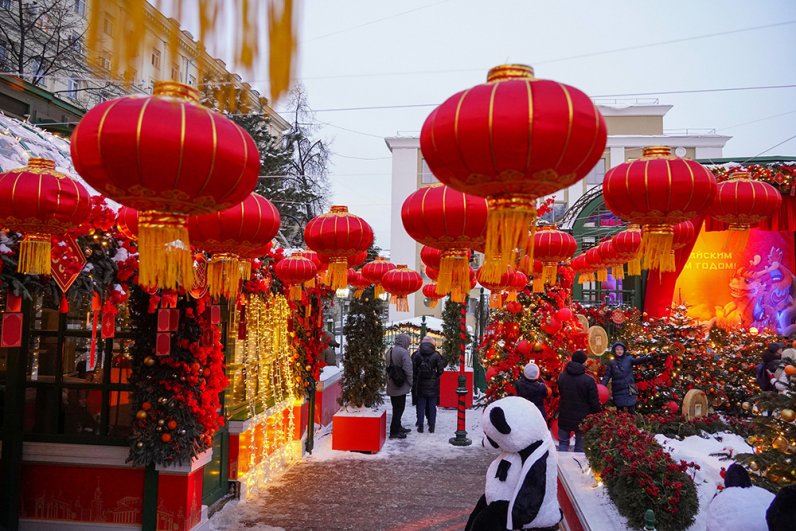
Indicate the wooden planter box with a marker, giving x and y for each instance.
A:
(448, 383)
(359, 431)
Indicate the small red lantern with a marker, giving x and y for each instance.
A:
(430, 293)
(432, 273)
(39, 202)
(430, 256)
(627, 245)
(399, 283)
(742, 201)
(293, 271)
(609, 257)
(496, 288)
(127, 223)
(168, 157)
(596, 264)
(657, 191)
(319, 266)
(581, 266)
(519, 281)
(440, 217)
(553, 246)
(338, 235)
(357, 281)
(374, 271)
(511, 140)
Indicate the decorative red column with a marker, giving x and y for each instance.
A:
(461, 433)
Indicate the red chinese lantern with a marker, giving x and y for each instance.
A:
(293, 271)
(519, 281)
(432, 273)
(430, 293)
(127, 222)
(231, 235)
(581, 266)
(399, 283)
(627, 245)
(374, 271)
(430, 256)
(537, 277)
(40, 202)
(742, 201)
(596, 264)
(357, 281)
(496, 288)
(512, 140)
(440, 217)
(319, 266)
(338, 235)
(609, 257)
(684, 233)
(553, 246)
(168, 157)
(657, 191)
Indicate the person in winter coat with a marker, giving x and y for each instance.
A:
(740, 506)
(579, 398)
(620, 373)
(530, 387)
(428, 366)
(329, 355)
(781, 380)
(781, 514)
(399, 355)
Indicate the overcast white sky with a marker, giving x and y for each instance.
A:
(365, 53)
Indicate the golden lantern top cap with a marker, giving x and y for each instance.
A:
(338, 209)
(634, 227)
(44, 164)
(175, 90)
(739, 175)
(657, 152)
(402, 266)
(509, 71)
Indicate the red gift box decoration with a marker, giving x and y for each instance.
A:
(13, 302)
(215, 314)
(174, 320)
(11, 335)
(108, 325)
(163, 344)
(164, 320)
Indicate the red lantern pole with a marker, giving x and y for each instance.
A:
(461, 432)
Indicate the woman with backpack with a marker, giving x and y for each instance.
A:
(399, 383)
(427, 366)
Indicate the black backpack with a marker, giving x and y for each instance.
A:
(426, 368)
(763, 379)
(396, 373)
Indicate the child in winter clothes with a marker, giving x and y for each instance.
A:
(530, 387)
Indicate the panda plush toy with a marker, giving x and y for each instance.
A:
(521, 484)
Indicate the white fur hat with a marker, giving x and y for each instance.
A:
(531, 371)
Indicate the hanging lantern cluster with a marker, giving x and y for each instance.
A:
(627, 246)
(553, 246)
(232, 236)
(357, 281)
(338, 236)
(168, 157)
(512, 140)
(399, 283)
(430, 293)
(40, 202)
(658, 191)
(294, 271)
(452, 222)
(374, 272)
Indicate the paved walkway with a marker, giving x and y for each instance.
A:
(419, 483)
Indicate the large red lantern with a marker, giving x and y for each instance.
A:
(742, 202)
(399, 283)
(39, 202)
(430, 293)
(553, 246)
(127, 222)
(374, 271)
(168, 157)
(338, 235)
(657, 191)
(440, 217)
(357, 281)
(512, 140)
(231, 235)
(294, 271)
(627, 245)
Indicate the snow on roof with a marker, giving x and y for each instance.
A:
(432, 323)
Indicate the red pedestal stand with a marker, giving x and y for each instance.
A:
(448, 383)
(359, 431)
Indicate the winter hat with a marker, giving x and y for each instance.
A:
(774, 347)
(737, 476)
(789, 354)
(531, 371)
(769, 356)
(618, 344)
(429, 339)
(781, 514)
(579, 356)
(403, 340)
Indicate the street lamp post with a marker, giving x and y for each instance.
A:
(461, 391)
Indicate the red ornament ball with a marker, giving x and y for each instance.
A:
(602, 393)
(491, 372)
(564, 314)
(524, 347)
(672, 407)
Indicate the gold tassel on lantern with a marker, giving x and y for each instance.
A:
(656, 244)
(378, 290)
(549, 273)
(35, 254)
(358, 293)
(223, 276)
(401, 303)
(337, 274)
(454, 272)
(537, 286)
(618, 271)
(669, 263)
(495, 300)
(164, 251)
(508, 219)
(602, 275)
(432, 303)
(525, 264)
(310, 283)
(634, 267)
(512, 296)
(245, 270)
(295, 292)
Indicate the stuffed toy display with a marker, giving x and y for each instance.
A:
(740, 506)
(521, 484)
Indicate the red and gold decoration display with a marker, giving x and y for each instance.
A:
(357, 281)
(374, 271)
(551, 247)
(742, 202)
(40, 202)
(454, 222)
(657, 191)
(430, 292)
(627, 246)
(338, 236)
(399, 283)
(168, 157)
(512, 140)
(231, 235)
(294, 271)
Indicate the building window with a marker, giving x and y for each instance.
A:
(426, 177)
(556, 212)
(156, 59)
(175, 73)
(72, 87)
(105, 60)
(108, 25)
(80, 7)
(192, 80)
(76, 42)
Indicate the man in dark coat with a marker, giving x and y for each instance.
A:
(530, 387)
(620, 373)
(399, 355)
(428, 366)
(579, 398)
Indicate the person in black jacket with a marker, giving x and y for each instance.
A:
(427, 367)
(579, 398)
(623, 382)
(531, 388)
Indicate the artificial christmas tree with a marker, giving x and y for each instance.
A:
(453, 333)
(363, 373)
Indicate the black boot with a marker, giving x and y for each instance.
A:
(431, 429)
(420, 429)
